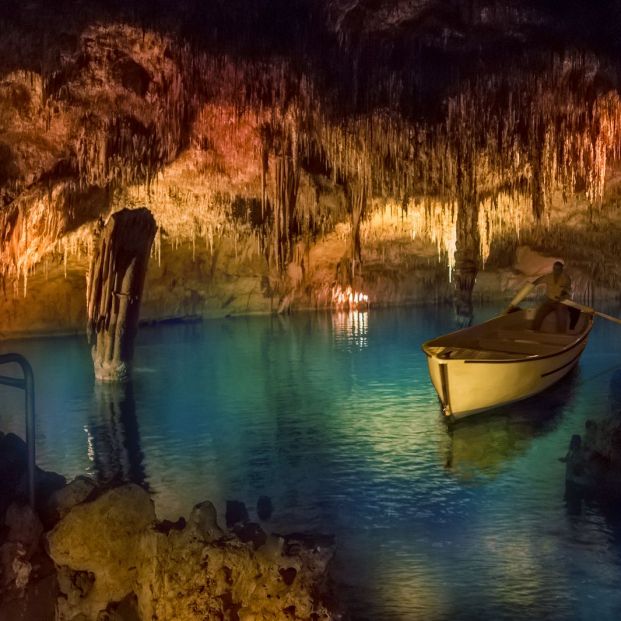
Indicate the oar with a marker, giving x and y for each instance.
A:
(588, 309)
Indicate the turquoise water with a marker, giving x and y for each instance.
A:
(333, 417)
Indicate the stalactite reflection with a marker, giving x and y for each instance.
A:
(114, 435)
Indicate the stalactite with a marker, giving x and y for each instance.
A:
(516, 135)
(285, 220)
(436, 221)
(502, 215)
(357, 193)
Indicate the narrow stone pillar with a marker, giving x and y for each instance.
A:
(467, 255)
(114, 290)
(464, 276)
(356, 194)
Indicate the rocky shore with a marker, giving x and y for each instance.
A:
(90, 552)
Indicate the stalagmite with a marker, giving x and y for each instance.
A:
(114, 290)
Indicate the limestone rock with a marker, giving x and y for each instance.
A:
(593, 461)
(125, 610)
(14, 566)
(273, 547)
(115, 284)
(251, 532)
(24, 526)
(36, 603)
(264, 508)
(63, 500)
(116, 561)
(236, 512)
(13, 460)
(104, 537)
(203, 522)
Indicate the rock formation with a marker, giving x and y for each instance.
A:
(114, 291)
(593, 460)
(385, 133)
(109, 557)
(196, 571)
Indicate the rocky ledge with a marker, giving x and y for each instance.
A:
(97, 553)
(593, 460)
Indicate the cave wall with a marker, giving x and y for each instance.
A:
(290, 150)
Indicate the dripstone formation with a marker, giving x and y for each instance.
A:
(114, 292)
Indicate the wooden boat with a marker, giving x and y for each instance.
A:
(502, 360)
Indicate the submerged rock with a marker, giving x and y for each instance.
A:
(27, 581)
(24, 526)
(236, 513)
(593, 461)
(13, 461)
(203, 523)
(64, 499)
(264, 508)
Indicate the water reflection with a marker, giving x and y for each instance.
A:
(589, 484)
(113, 436)
(484, 443)
(351, 328)
(615, 392)
(334, 418)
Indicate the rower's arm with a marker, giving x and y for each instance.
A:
(520, 295)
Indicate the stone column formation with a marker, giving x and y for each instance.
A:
(114, 290)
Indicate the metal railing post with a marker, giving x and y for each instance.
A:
(27, 385)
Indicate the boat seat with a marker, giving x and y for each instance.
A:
(510, 346)
(474, 353)
(531, 336)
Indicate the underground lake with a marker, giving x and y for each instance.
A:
(333, 417)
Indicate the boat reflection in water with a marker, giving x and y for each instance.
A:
(481, 445)
(113, 435)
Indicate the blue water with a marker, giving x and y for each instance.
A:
(333, 417)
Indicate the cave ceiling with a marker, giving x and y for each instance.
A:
(287, 102)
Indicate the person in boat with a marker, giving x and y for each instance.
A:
(558, 288)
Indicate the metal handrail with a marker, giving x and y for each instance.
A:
(27, 385)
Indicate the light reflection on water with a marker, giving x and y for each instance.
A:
(334, 418)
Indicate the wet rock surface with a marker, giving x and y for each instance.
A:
(28, 587)
(348, 143)
(100, 553)
(593, 460)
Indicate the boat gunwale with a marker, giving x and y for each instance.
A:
(533, 357)
(524, 358)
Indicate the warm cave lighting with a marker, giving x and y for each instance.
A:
(348, 299)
